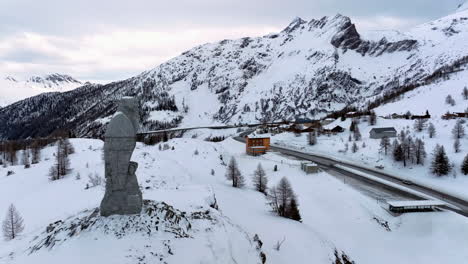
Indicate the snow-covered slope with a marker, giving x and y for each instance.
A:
(13, 89)
(180, 182)
(463, 7)
(311, 68)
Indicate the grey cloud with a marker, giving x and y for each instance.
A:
(68, 21)
(74, 17)
(31, 56)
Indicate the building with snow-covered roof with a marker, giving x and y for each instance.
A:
(310, 167)
(413, 206)
(383, 132)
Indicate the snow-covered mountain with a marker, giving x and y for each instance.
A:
(311, 68)
(13, 89)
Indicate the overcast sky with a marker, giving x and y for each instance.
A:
(102, 40)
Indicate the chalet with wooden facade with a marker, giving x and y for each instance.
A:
(337, 129)
(257, 145)
(448, 115)
(426, 116)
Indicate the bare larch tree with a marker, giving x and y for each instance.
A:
(13, 224)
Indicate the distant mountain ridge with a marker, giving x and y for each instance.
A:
(309, 69)
(14, 89)
(55, 79)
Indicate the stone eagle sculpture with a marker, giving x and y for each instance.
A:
(123, 195)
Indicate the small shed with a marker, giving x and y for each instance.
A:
(310, 167)
(383, 132)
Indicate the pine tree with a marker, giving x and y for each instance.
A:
(312, 138)
(419, 151)
(419, 124)
(402, 136)
(464, 166)
(431, 130)
(62, 163)
(25, 158)
(440, 163)
(372, 118)
(35, 152)
(54, 173)
(293, 211)
(384, 144)
(260, 179)
(67, 147)
(357, 134)
(283, 201)
(458, 130)
(465, 93)
(395, 143)
(280, 196)
(13, 224)
(233, 174)
(11, 149)
(354, 147)
(456, 145)
(352, 126)
(407, 146)
(449, 100)
(398, 154)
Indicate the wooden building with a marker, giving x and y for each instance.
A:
(337, 129)
(448, 115)
(426, 116)
(257, 145)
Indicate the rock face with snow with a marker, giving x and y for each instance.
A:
(123, 195)
(309, 69)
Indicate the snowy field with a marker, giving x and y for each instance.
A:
(334, 215)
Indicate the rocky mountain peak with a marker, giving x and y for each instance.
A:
(296, 23)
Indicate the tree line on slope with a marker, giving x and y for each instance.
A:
(405, 149)
(409, 150)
